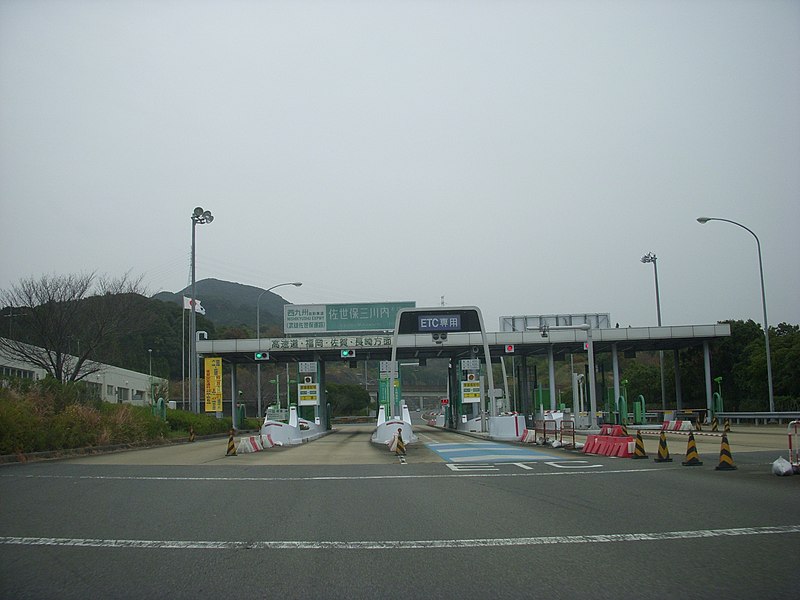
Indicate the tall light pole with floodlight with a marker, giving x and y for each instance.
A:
(703, 221)
(199, 217)
(258, 335)
(650, 257)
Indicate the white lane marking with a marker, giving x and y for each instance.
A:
(397, 544)
(335, 477)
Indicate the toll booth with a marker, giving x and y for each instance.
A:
(384, 393)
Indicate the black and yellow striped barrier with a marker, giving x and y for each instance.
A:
(725, 456)
(692, 457)
(639, 449)
(231, 445)
(663, 451)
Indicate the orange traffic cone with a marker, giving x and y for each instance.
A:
(725, 457)
(692, 458)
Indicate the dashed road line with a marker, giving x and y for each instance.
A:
(398, 544)
(524, 473)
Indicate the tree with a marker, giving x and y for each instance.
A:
(66, 321)
(347, 399)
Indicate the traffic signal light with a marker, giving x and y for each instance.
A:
(348, 353)
(439, 336)
(509, 348)
(262, 355)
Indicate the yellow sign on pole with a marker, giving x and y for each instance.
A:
(308, 394)
(213, 381)
(470, 392)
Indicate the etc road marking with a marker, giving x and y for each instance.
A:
(398, 544)
(486, 452)
(560, 464)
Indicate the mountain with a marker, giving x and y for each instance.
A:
(229, 304)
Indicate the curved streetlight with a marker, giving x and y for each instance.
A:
(703, 221)
(258, 336)
(199, 217)
(651, 257)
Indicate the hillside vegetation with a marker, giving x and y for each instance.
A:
(48, 415)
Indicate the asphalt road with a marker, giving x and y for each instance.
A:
(340, 518)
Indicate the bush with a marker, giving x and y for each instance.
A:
(47, 415)
(180, 420)
(21, 428)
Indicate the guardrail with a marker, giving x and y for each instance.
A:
(759, 416)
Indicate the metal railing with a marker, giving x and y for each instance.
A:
(759, 416)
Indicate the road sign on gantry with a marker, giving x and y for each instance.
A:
(439, 321)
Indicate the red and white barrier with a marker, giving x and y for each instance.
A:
(677, 426)
(256, 443)
(249, 444)
(609, 445)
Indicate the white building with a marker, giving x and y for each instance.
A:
(112, 384)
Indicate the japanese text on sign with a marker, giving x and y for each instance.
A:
(213, 384)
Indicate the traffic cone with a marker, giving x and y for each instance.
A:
(663, 451)
(231, 445)
(725, 457)
(727, 427)
(639, 449)
(191, 433)
(624, 428)
(698, 425)
(714, 424)
(692, 458)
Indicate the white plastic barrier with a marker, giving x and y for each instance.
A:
(296, 431)
(470, 425)
(507, 427)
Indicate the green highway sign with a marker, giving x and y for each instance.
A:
(325, 318)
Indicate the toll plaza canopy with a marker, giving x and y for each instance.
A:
(553, 342)
(378, 346)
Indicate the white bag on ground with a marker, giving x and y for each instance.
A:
(782, 467)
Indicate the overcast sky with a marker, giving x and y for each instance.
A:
(518, 156)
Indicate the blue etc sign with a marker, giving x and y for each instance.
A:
(438, 322)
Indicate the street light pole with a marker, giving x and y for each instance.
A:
(650, 257)
(199, 217)
(703, 221)
(258, 336)
(150, 353)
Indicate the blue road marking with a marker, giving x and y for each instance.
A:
(486, 452)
